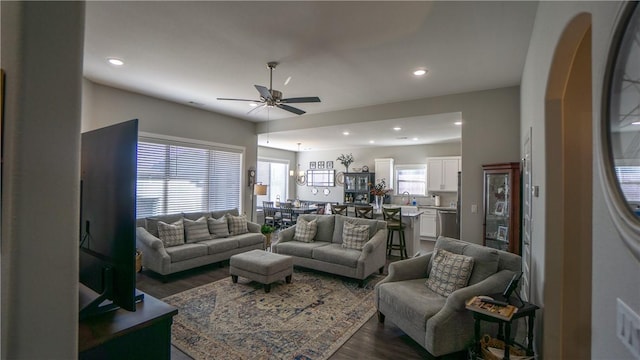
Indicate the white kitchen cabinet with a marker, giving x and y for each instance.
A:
(384, 170)
(442, 173)
(428, 223)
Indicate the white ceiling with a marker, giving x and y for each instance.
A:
(350, 54)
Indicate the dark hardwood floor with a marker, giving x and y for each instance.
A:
(372, 341)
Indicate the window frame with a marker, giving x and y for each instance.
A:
(398, 168)
(212, 149)
(269, 197)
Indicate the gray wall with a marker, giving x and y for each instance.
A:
(104, 106)
(615, 271)
(489, 117)
(42, 45)
(402, 155)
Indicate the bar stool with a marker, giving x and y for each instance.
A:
(364, 211)
(393, 217)
(339, 209)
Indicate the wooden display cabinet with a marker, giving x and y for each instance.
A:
(357, 189)
(502, 190)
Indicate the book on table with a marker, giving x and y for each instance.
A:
(481, 305)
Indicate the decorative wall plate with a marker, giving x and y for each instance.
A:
(326, 191)
(340, 178)
(314, 191)
(365, 168)
(301, 180)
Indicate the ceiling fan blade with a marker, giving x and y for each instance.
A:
(255, 101)
(257, 109)
(264, 92)
(301, 100)
(291, 109)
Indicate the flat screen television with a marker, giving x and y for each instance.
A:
(108, 218)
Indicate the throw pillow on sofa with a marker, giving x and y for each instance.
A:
(449, 272)
(354, 236)
(196, 230)
(237, 224)
(171, 234)
(218, 227)
(305, 230)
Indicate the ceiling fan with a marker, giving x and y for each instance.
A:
(273, 98)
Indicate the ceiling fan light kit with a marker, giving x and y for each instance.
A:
(273, 98)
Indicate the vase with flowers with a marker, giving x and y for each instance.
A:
(345, 160)
(379, 191)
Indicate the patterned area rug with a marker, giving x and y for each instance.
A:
(307, 319)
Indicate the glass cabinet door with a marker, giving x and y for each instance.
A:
(502, 206)
(497, 214)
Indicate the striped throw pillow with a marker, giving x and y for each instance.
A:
(171, 234)
(218, 227)
(196, 230)
(354, 236)
(449, 272)
(237, 224)
(305, 230)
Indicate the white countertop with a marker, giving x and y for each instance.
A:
(438, 207)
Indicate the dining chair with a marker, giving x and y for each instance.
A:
(287, 215)
(271, 215)
(339, 209)
(393, 217)
(365, 211)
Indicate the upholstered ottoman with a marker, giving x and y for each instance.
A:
(261, 266)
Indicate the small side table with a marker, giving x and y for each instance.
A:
(504, 326)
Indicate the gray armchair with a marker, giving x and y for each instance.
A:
(441, 324)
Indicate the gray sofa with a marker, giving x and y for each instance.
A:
(441, 324)
(326, 252)
(166, 260)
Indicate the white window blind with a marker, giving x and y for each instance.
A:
(411, 179)
(629, 178)
(177, 177)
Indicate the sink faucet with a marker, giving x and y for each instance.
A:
(407, 197)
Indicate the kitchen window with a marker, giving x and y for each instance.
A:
(411, 179)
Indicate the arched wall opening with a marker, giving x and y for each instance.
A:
(568, 232)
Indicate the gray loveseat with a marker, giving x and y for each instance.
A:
(164, 260)
(441, 324)
(326, 253)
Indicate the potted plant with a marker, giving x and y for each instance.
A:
(267, 230)
(345, 160)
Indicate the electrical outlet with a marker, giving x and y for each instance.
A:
(628, 328)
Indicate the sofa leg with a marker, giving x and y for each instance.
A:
(381, 270)
(380, 317)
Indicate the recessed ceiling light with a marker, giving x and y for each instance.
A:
(420, 72)
(115, 61)
(253, 104)
(415, 139)
(371, 141)
(345, 133)
(397, 128)
(458, 123)
(635, 123)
